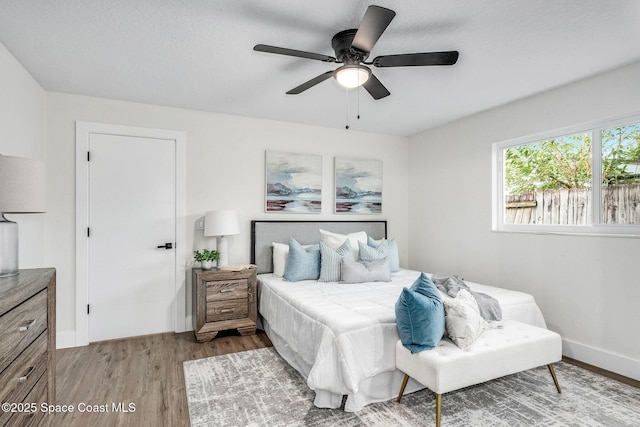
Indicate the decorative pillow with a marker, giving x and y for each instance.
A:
(358, 272)
(368, 254)
(390, 249)
(420, 315)
(302, 264)
(334, 240)
(330, 261)
(280, 255)
(463, 320)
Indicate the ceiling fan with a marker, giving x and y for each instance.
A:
(352, 48)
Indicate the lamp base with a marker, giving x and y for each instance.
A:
(8, 247)
(223, 248)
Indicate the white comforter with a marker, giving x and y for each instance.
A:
(342, 336)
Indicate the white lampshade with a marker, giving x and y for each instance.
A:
(21, 191)
(21, 185)
(351, 76)
(221, 223)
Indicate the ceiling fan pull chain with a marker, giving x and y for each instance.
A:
(346, 91)
(358, 89)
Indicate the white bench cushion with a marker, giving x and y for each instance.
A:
(497, 352)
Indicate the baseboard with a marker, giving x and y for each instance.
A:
(65, 339)
(189, 324)
(621, 365)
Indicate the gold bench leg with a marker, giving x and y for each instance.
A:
(404, 384)
(555, 379)
(438, 409)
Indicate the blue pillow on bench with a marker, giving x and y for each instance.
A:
(420, 315)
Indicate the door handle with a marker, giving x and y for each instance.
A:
(166, 246)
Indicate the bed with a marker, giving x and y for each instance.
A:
(340, 336)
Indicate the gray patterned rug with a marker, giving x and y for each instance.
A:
(258, 388)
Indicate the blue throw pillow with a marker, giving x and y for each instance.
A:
(420, 315)
(302, 264)
(389, 248)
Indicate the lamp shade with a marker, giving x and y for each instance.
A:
(221, 223)
(21, 185)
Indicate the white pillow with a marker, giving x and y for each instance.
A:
(280, 255)
(462, 319)
(335, 240)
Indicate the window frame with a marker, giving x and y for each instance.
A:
(597, 228)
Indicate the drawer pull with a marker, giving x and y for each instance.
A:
(26, 376)
(222, 291)
(226, 310)
(26, 327)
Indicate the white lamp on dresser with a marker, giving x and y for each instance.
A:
(221, 224)
(21, 191)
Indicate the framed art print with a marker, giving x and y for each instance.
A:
(293, 182)
(358, 186)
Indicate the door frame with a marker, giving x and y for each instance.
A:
(84, 130)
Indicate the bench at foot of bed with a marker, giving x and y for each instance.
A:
(514, 348)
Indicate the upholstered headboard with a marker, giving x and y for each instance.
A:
(263, 233)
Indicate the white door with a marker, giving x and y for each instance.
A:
(132, 226)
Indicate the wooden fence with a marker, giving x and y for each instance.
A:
(574, 206)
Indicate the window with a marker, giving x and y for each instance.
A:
(580, 180)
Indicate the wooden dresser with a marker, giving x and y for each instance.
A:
(27, 345)
(224, 300)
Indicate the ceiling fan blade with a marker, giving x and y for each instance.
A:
(417, 59)
(314, 81)
(293, 52)
(376, 19)
(375, 88)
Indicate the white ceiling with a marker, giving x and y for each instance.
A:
(197, 54)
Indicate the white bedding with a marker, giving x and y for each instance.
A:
(342, 336)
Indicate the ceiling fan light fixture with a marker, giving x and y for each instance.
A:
(351, 76)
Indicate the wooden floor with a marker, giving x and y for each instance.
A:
(143, 371)
(147, 372)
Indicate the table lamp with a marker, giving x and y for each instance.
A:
(21, 191)
(222, 223)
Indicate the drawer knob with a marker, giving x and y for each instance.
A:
(26, 376)
(227, 310)
(26, 327)
(225, 290)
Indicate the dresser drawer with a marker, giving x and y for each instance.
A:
(37, 395)
(227, 289)
(21, 326)
(227, 310)
(23, 374)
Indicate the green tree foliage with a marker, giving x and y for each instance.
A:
(565, 162)
(621, 155)
(555, 163)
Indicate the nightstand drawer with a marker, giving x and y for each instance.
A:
(20, 326)
(227, 289)
(227, 310)
(19, 378)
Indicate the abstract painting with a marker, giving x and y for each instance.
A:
(358, 186)
(294, 182)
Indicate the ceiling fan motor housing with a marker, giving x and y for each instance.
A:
(345, 53)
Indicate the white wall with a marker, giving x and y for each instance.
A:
(22, 113)
(225, 169)
(587, 287)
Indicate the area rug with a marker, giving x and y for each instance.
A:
(258, 388)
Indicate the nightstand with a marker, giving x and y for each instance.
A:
(224, 300)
